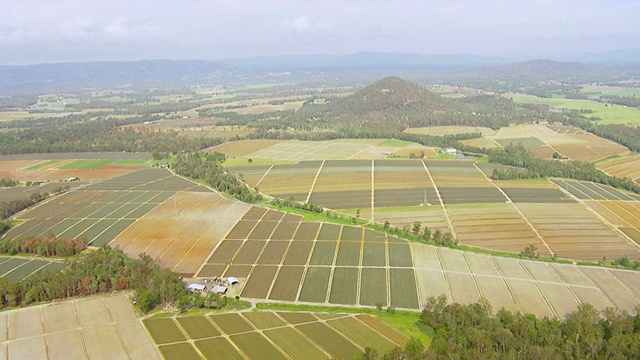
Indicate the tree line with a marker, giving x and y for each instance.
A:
(11, 207)
(49, 246)
(473, 332)
(532, 167)
(207, 167)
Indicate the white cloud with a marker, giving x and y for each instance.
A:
(304, 24)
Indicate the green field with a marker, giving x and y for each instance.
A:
(316, 282)
(218, 348)
(179, 351)
(344, 286)
(86, 164)
(361, 335)
(16, 268)
(616, 114)
(198, 327)
(164, 331)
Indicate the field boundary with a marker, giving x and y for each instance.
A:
(535, 231)
(444, 209)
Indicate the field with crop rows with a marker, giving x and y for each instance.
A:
(573, 143)
(544, 289)
(14, 268)
(312, 262)
(623, 167)
(271, 335)
(464, 200)
(95, 327)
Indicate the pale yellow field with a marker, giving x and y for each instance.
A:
(98, 327)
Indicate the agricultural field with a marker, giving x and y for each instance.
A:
(450, 130)
(496, 226)
(56, 168)
(568, 141)
(271, 335)
(279, 257)
(133, 212)
(14, 268)
(457, 196)
(544, 289)
(608, 113)
(622, 167)
(104, 327)
(365, 149)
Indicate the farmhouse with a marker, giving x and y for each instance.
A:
(450, 151)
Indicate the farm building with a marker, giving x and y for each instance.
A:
(196, 287)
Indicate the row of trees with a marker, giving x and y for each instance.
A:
(531, 167)
(207, 168)
(47, 246)
(8, 208)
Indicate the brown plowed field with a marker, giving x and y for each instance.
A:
(573, 232)
(626, 167)
(182, 237)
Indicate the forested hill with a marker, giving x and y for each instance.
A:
(393, 104)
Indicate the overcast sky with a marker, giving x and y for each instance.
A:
(36, 31)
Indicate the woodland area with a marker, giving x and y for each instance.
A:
(472, 332)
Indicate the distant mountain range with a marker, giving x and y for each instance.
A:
(151, 73)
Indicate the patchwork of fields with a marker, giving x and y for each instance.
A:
(286, 259)
(568, 141)
(544, 289)
(457, 196)
(104, 327)
(283, 259)
(100, 212)
(271, 335)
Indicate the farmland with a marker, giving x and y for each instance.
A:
(16, 268)
(520, 285)
(315, 263)
(608, 114)
(271, 335)
(457, 196)
(623, 167)
(96, 327)
(571, 142)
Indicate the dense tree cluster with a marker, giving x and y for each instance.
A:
(48, 246)
(8, 182)
(106, 269)
(103, 135)
(472, 332)
(207, 168)
(631, 101)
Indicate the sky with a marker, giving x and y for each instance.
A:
(40, 31)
